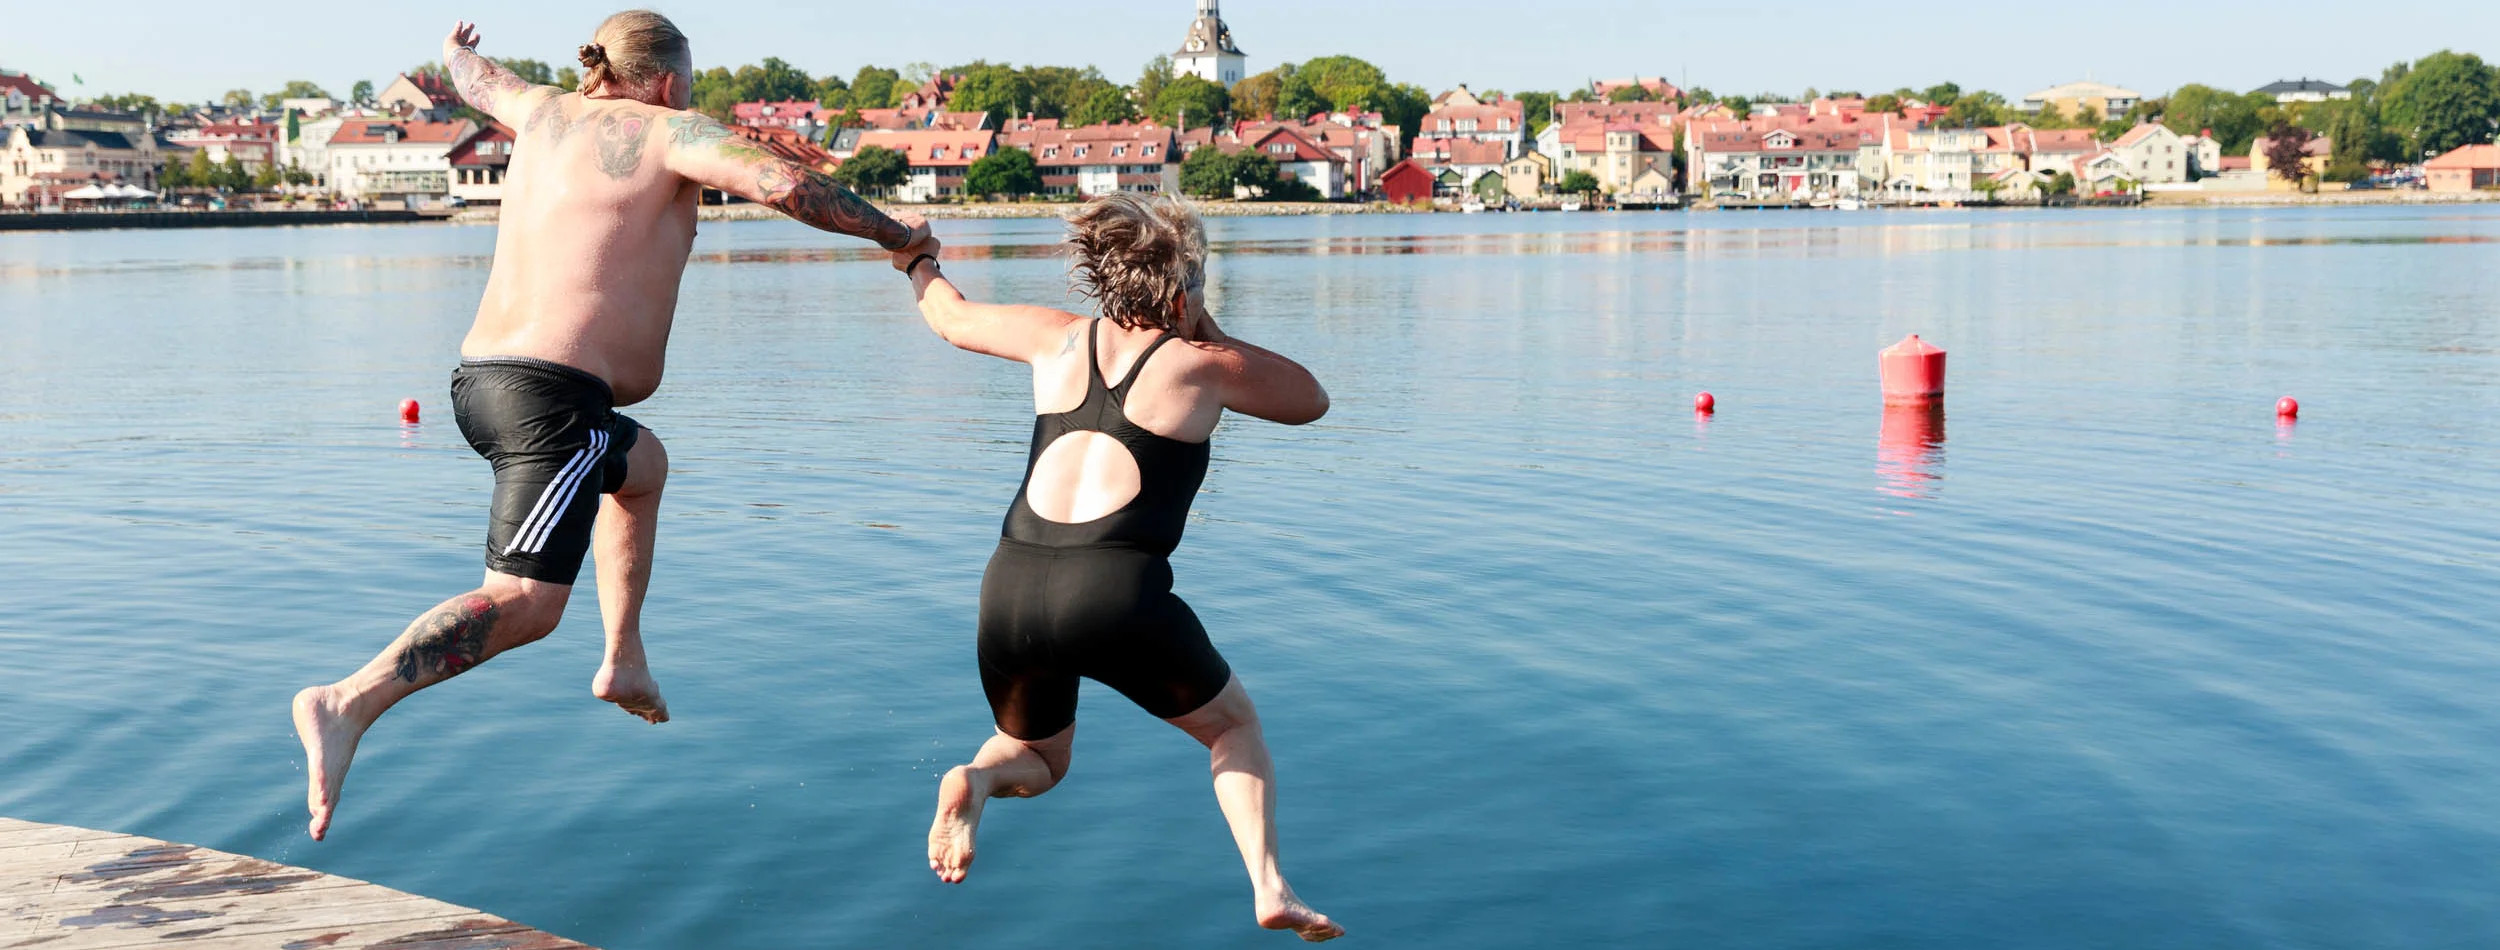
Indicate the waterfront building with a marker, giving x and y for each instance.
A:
(938, 158)
(478, 164)
(1762, 159)
(2303, 90)
(56, 150)
(1407, 182)
(2470, 168)
(1577, 132)
(800, 115)
(253, 142)
(1528, 175)
(1096, 160)
(1460, 114)
(2314, 156)
(2097, 101)
(394, 159)
(22, 97)
(1208, 51)
(2154, 154)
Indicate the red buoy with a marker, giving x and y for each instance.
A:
(408, 411)
(2287, 408)
(1913, 371)
(1705, 403)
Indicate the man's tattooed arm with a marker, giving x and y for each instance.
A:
(702, 149)
(446, 642)
(488, 87)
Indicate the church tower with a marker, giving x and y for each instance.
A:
(1208, 53)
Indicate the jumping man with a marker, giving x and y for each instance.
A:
(597, 220)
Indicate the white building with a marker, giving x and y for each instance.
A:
(392, 159)
(1209, 52)
(2154, 154)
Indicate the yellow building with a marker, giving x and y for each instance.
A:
(2313, 161)
(1527, 175)
(2097, 101)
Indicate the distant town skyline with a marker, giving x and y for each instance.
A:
(2149, 47)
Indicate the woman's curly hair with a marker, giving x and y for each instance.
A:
(1135, 256)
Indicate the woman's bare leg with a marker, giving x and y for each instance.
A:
(1245, 787)
(621, 543)
(459, 633)
(1006, 767)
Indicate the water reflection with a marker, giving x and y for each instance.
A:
(1909, 450)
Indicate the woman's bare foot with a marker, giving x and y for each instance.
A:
(329, 733)
(631, 688)
(1283, 911)
(958, 818)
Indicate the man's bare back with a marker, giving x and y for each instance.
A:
(598, 216)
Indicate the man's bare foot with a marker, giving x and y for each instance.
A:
(329, 734)
(1283, 911)
(631, 688)
(958, 818)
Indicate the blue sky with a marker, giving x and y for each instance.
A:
(193, 50)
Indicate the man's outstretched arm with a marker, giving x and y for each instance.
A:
(486, 86)
(707, 152)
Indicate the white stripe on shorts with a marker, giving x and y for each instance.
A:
(558, 494)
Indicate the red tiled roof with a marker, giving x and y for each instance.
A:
(904, 120)
(1456, 151)
(2237, 163)
(788, 145)
(2317, 146)
(1299, 147)
(465, 153)
(1489, 118)
(1109, 144)
(2063, 140)
(27, 85)
(2468, 157)
(1757, 135)
(2138, 134)
(370, 131)
(942, 148)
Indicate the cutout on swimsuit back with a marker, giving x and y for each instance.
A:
(1082, 476)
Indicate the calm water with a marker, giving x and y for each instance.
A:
(2104, 659)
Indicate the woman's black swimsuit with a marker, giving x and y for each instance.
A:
(1062, 601)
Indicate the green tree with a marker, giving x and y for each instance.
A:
(2062, 183)
(238, 99)
(295, 89)
(1977, 109)
(568, 79)
(266, 178)
(1632, 93)
(1255, 171)
(1576, 182)
(1344, 81)
(1540, 109)
(872, 87)
(1058, 91)
(1883, 103)
(361, 93)
(716, 93)
(2235, 118)
(127, 102)
(1402, 106)
(172, 174)
(1149, 87)
(1208, 173)
(1289, 188)
(1942, 94)
(1190, 100)
(1007, 171)
(1297, 99)
(232, 176)
(2446, 100)
(873, 170)
(1106, 105)
(296, 175)
(1255, 97)
(831, 92)
(997, 90)
(772, 81)
(1740, 105)
(202, 173)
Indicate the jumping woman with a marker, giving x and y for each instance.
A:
(1081, 585)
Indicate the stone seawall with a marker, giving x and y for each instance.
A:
(105, 220)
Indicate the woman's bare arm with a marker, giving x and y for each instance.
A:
(1007, 331)
(1257, 381)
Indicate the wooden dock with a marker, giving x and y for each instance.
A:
(65, 888)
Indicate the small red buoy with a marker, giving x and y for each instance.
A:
(408, 411)
(2287, 408)
(1912, 372)
(1705, 403)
